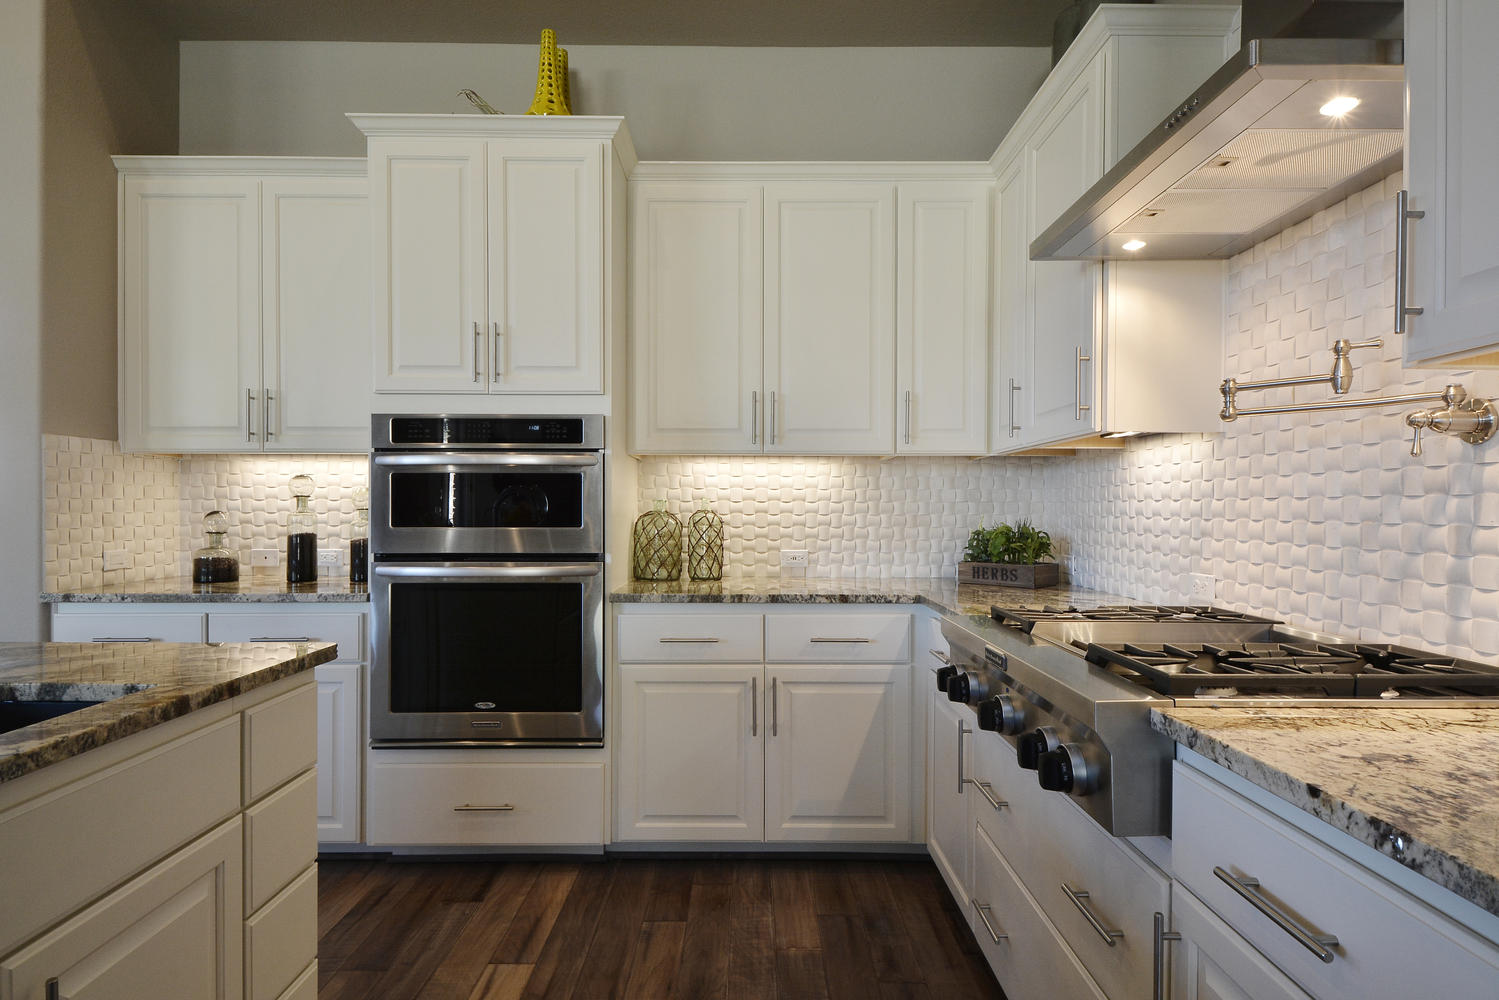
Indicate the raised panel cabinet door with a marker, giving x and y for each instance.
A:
(1012, 389)
(949, 748)
(699, 336)
(830, 319)
(836, 753)
(942, 313)
(1452, 143)
(339, 753)
(315, 314)
(1065, 297)
(546, 266)
(427, 205)
(190, 314)
(1212, 962)
(173, 933)
(690, 753)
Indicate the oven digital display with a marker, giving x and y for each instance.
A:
(486, 430)
(486, 500)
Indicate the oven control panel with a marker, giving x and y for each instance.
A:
(423, 431)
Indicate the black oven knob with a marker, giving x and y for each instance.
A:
(944, 675)
(1030, 746)
(967, 688)
(1000, 714)
(1065, 769)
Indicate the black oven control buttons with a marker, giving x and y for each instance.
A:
(1030, 746)
(1065, 769)
(1000, 714)
(945, 676)
(967, 688)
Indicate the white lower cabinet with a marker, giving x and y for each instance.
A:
(1212, 962)
(949, 739)
(340, 745)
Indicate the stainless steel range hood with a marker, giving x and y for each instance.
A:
(1247, 154)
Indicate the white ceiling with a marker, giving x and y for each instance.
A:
(617, 22)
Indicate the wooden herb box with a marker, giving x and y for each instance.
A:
(1029, 575)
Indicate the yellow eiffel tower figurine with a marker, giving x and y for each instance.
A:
(551, 78)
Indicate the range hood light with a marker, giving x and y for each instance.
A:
(1339, 106)
(1133, 245)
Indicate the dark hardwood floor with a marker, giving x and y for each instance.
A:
(750, 929)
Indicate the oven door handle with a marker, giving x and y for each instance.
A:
(490, 571)
(493, 459)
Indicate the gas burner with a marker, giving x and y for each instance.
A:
(1026, 619)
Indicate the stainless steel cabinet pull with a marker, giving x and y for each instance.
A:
(772, 416)
(1158, 976)
(1320, 945)
(754, 416)
(983, 912)
(941, 657)
(754, 706)
(1403, 215)
(816, 638)
(122, 638)
(249, 415)
(52, 989)
(466, 808)
(1014, 427)
(775, 708)
(686, 638)
(962, 732)
(987, 791)
(265, 415)
(908, 416)
(499, 354)
(1078, 388)
(478, 343)
(280, 638)
(1080, 899)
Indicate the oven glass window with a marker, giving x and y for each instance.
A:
(486, 500)
(475, 647)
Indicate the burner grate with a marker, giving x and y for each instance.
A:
(1026, 619)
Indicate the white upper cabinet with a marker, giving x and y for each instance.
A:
(1013, 390)
(1452, 144)
(244, 316)
(698, 340)
(830, 318)
(490, 249)
(942, 318)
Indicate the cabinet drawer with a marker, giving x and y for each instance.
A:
(305, 987)
(280, 739)
(347, 630)
(69, 845)
(280, 840)
(1320, 892)
(281, 940)
(691, 638)
(486, 804)
(127, 626)
(838, 638)
(1030, 959)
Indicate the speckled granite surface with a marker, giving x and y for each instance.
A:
(141, 684)
(252, 588)
(1415, 784)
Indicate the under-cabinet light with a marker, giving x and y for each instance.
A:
(1133, 245)
(1339, 106)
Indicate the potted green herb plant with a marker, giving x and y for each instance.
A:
(1009, 556)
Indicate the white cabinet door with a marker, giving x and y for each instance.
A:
(1452, 144)
(942, 329)
(340, 750)
(1012, 391)
(546, 265)
(698, 337)
(315, 314)
(949, 748)
(1212, 962)
(836, 753)
(690, 764)
(190, 314)
(830, 318)
(173, 933)
(1066, 157)
(427, 203)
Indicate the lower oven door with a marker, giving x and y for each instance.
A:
(489, 653)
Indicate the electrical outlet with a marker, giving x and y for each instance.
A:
(794, 558)
(1201, 588)
(116, 559)
(265, 557)
(330, 558)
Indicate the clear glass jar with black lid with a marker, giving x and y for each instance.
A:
(301, 533)
(214, 563)
(359, 540)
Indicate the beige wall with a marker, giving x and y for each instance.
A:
(110, 87)
(682, 102)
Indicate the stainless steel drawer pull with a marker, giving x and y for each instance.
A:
(687, 638)
(498, 366)
(775, 708)
(265, 415)
(987, 791)
(908, 416)
(466, 808)
(941, 657)
(816, 638)
(983, 912)
(754, 706)
(280, 638)
(478, 349)
(962, 732)
(249, 415)
(1158, 964)
(1013, 425)
(1403, 215)
(1320, 945)
(1081, 406)
(1080, 899)
(123, 638)
(754, 416)
(772, 411)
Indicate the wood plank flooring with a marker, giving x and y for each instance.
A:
(631, 929)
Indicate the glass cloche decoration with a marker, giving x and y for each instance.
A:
(657, 544)
(214, 563)
(301, 533)
(704, 544)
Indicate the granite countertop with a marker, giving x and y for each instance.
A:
(1412, 783)
(140, 685)
(252, 588)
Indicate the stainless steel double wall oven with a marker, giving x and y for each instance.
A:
(487, 580)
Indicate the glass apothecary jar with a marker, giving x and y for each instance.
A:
(657, 548)
(214, 563)
(301, 533)
(704, 544)
(359, 540)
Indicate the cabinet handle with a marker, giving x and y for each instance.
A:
(941, 657)
(1080, 899)
(983, 911)
(279, 638)
(1318, 944)
(52, 989)
(122, 638)
(987, 791)
(754, 706)
(908, 416)
(1078, 384)
(754, 416)
(772, 416)
(1158, 963)
(962, 732)
(836, 639)
(265, 415)
(687, 638)
(499, 354)
(775, 708)
(1014, 427)
(466, 808)
(249, 415)
(1403, 215)
(478, 343)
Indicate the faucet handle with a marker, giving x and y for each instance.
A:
(1416, 428)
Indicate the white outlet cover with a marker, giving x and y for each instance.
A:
(265, 557)
(115, 559)
(332, 558)
(1201, 588)
(794, 557)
